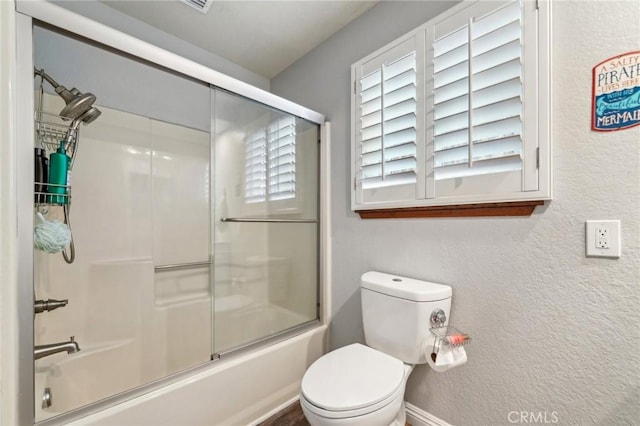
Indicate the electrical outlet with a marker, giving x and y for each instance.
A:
(603, 238)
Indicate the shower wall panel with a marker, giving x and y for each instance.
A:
(180, 167)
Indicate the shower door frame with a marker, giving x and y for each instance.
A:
(21, 409)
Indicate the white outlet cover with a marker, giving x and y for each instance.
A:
(601, 234)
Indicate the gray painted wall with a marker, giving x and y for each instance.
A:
(121, 82)
(128, 25)
(124, 83)
(553, 331)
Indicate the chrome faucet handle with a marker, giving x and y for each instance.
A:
(49, 305)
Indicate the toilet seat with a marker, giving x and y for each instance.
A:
(352, 381)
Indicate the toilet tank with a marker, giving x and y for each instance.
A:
(396, 312)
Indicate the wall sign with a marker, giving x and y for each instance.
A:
(616, 93)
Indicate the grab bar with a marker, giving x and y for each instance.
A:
(179, 266)
(265, 220)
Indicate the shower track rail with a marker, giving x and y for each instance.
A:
(265, 220)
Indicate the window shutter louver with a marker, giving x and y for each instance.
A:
(282, 159)
(270, 162)
(388, 114)
(477, 89)
(255, 189)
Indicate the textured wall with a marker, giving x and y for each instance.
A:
(553, 331)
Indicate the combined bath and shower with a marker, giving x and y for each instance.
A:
(79, 106)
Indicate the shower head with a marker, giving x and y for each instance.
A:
(90, 115)
(77, 103)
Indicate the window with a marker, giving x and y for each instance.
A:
(388, 121)
(270, 162)
(389, 108)
(455, 112)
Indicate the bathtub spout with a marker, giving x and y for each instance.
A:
(69, 347)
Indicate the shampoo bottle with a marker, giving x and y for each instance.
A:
(39, 176)
(58, 169)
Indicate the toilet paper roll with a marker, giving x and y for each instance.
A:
(447, 358)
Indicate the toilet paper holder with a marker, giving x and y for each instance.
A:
(446, 334)
(450, 336)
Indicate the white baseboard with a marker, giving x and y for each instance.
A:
(418, 417)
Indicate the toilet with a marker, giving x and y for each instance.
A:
(365, 385)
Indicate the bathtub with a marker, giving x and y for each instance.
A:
(78, 380)
(240, 390)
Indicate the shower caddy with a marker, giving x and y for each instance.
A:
(50, 131)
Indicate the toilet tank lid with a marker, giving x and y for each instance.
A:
(404, 288)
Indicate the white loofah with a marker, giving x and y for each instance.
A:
(51, 236)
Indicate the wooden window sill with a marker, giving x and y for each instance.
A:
(518, 208)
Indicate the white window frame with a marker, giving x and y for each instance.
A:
(536, 181)
(397, 49)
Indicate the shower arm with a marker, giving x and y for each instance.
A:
(79, 106)
(63, 92)
(46, 76)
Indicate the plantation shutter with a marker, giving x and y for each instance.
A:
(270, 162)
(282, 159)
(478, 97)
(456, 111)
(389, 104)
(255, 170)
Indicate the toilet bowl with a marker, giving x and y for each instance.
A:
(355, 385)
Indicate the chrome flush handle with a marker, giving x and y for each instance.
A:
(438, 318)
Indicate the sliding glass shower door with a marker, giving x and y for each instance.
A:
(195, 224)
(265, 222)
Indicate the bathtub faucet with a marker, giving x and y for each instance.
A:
(45, 350)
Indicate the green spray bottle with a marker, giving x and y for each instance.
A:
(58, 170)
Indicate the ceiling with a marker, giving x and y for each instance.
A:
(262, 36)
